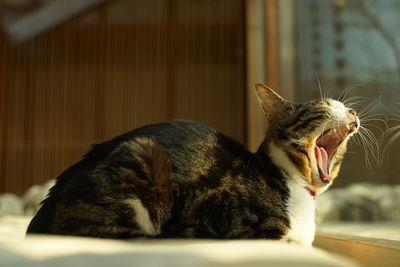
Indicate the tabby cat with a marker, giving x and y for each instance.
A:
(183, 179)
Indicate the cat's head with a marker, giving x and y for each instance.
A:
(308, 140)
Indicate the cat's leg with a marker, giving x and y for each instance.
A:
(151, 176)
(105, 220)
(126, 195)
(145, 225)
(214, 214)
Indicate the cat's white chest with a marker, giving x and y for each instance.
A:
(301, 211)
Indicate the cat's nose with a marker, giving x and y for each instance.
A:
(355, 125)
(353, 112)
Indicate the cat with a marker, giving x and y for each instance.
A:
(182, 179)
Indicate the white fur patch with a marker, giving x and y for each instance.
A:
(339, 115)
(339, 111)
(301, 205)
(301, 211)
(142, 217)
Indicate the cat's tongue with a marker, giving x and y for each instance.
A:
(322, 161)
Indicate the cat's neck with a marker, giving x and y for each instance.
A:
(273, 153)
(301, 199)
(301, 211)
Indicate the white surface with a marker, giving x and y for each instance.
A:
(12, 228)
(68, 251)
(43, 251)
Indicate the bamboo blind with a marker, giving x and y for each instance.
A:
(116, 67)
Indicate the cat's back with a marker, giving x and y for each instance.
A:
(182, 144)
(176, 134)
(189, 145)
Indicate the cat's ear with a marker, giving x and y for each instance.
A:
(273, 105)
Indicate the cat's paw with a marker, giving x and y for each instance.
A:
(290, 240)
(294, 241)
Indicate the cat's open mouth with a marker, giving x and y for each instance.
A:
(326, 146)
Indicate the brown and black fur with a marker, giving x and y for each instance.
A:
(191, 180)
(194, 181)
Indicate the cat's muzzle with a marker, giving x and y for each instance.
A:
(328, 143)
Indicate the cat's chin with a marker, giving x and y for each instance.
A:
(318, 185)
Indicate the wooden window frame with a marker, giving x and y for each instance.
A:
(263, 59)
(271, 55)
(369, 252)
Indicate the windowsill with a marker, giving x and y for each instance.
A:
(386, 230)
(370, 252)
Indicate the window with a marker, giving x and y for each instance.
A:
(353, 46)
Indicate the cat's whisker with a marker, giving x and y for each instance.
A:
(357, 99)
(368, 149)
(375, 122)
(365, 137)
(321, 93)
(372, 138)
(370, 107)
(366, 153)
(369, 133)
(370, 145)
(392, 134)
(382, 131)
(395, 120)
(367, 110)
(344, 93)
(355, 103)
(357, 139)
(367, 116)
(373, 117)
(352, 104)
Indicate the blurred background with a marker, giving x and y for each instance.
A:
(74, 73)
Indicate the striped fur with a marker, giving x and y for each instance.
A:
(184, 179)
